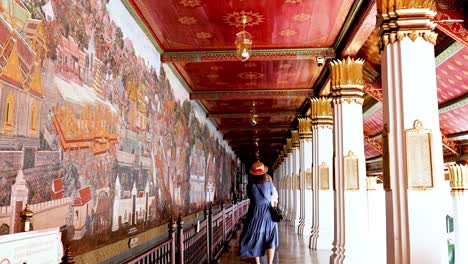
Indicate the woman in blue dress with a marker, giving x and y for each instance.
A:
(260, 234)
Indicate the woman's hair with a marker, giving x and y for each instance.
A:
(261, 178)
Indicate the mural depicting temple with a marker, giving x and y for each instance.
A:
(92, 136)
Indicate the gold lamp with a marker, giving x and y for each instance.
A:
(243, 41)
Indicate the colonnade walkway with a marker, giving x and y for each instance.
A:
(292, 249)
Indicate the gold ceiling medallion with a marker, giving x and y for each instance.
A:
(288, 33)
(302, 17)
(212, 76)
(293, 1)
(243, 42)
(236, 19)
(186, 20)
(203, 35)
(285, 66)
(190, 3)
(251, 75)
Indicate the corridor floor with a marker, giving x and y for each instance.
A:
(292, 249)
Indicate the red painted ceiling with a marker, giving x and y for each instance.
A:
(452, 77)
(234, 106)
(454, 121)
(198, 27)
(280, 74)
(373, 125)
(212, 24)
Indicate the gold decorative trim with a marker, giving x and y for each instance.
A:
(289, 144)
(321, 113)
(402, 18)
(351, 172)
(308, 178)
(419, 165)
(458, 178)
(324, 177)
(347, 80)
(295, 138)
(305, 126)
(321, 107)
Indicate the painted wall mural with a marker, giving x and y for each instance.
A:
(92, 135)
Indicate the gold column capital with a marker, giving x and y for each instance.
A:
(304, 125)
(285, 150)
(398, 19)
(347, 81)
(295, 138)
(321, 112)
(458, 178)
(289, 144)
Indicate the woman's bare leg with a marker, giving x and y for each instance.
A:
(257, 260)
(270, 255)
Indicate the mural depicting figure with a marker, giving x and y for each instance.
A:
(91, 135)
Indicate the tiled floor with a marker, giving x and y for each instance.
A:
(292, 249)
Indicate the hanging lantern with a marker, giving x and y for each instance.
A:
(243, 42)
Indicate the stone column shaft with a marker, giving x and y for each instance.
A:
(305, 157)
(351, 226)
(296, 176)
(413, 189)
(321, 236)
(459, 185)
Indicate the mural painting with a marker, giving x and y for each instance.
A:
(91, 135)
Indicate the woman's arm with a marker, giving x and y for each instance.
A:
(274, 195)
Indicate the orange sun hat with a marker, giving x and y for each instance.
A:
(258, 168)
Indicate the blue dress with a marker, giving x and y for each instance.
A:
(260, 232)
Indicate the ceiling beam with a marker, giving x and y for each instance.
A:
(251, 140)
(459, 136)
(362, 29)
(237, 138)
(257, 55)
(453, 104)
(260, 143)
(251, 94)
(451, 24)
(248, 127)
(246, 114)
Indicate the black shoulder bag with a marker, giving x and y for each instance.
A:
(276, 213)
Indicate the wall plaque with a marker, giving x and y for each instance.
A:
(324, 178)
(419, 157)
(351, 171)
(308, 177)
